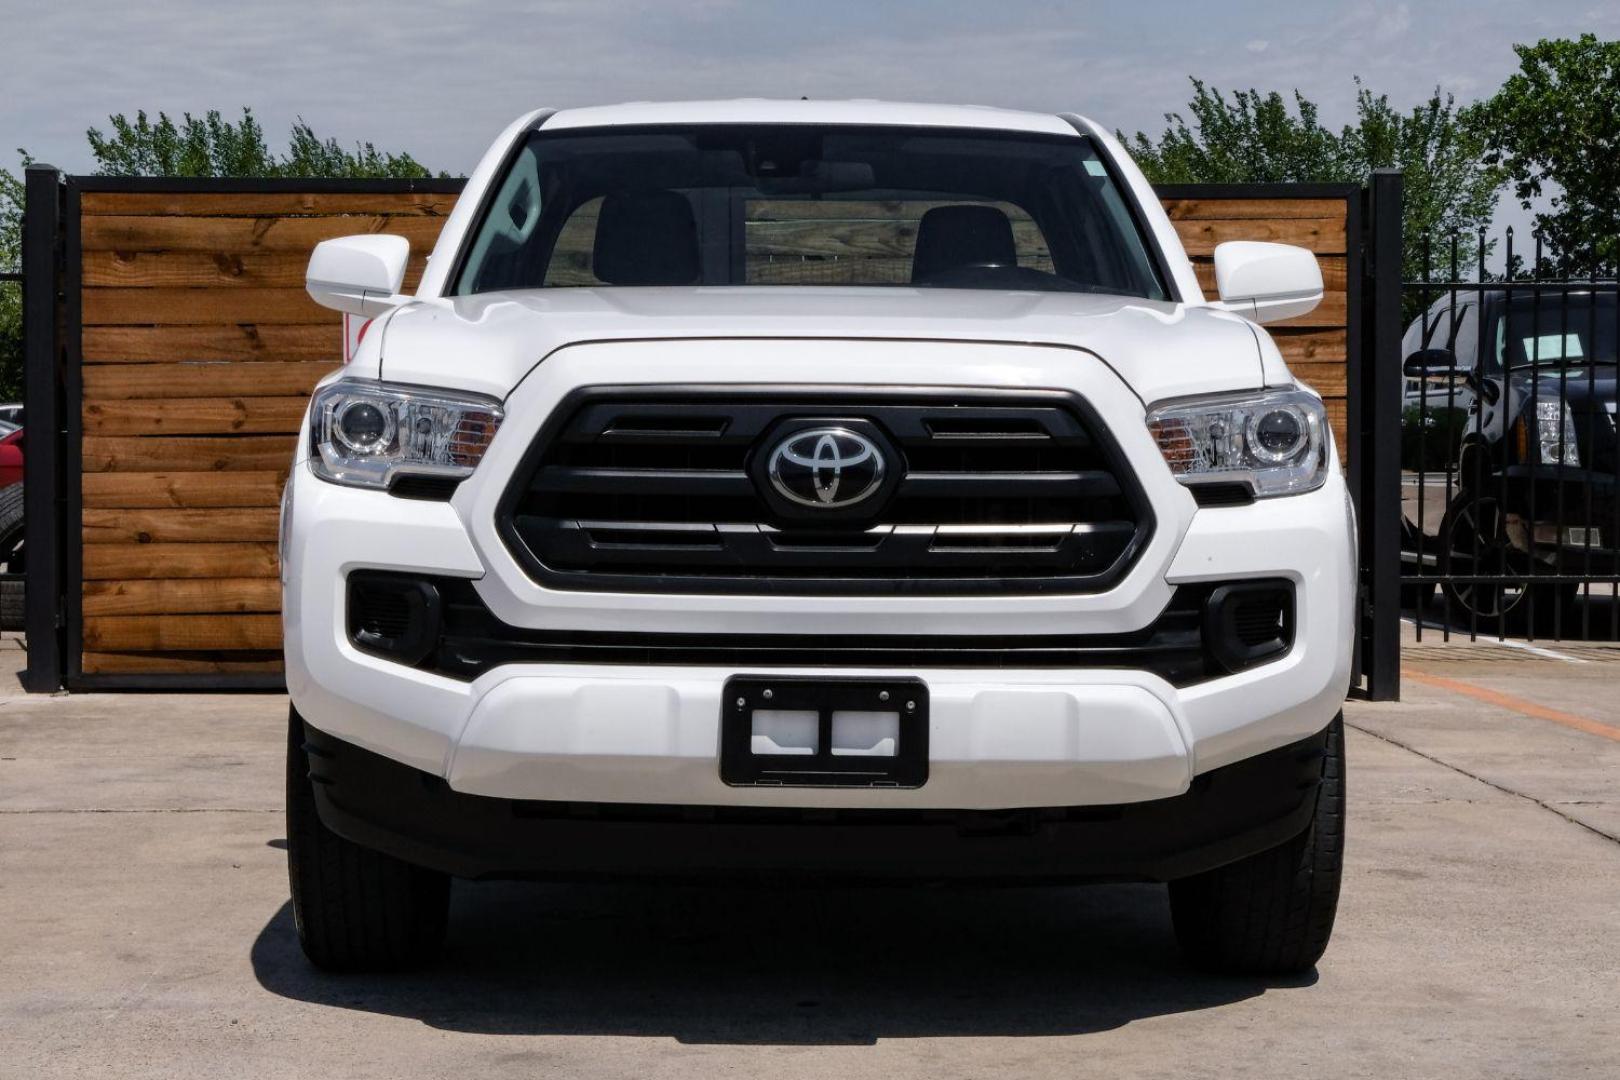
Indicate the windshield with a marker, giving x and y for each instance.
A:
(1557, 330)
(797, 205)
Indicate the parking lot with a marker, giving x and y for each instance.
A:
(144, 926)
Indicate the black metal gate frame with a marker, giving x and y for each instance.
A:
(53, 362)
(43, 407)
(1375, 418)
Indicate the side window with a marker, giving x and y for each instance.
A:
(571, 257)
(1413, 339)
(504, 240)
(1465, 336)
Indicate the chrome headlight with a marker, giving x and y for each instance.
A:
(1555, 430)
(364, 433)
(1275, 441)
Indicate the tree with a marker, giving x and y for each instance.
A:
(1554, 129)
(1253, 137)
(205, 146)
(11, 346)
(213, 146)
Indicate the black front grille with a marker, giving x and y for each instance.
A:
(1205, 631)
(473, 640)
(995, 492)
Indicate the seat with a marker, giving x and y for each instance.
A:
(646, 238)
(954, 237)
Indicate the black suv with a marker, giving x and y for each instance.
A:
(1509, 461)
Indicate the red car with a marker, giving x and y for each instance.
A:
(11, 458)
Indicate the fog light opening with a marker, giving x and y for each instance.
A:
(1248, 623)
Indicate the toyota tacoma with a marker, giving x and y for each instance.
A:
(817, 490)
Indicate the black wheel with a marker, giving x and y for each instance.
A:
(1474, 541)
(355, 909)
(13, 557)
(1271, 913)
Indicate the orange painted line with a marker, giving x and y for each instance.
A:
(1514, 704)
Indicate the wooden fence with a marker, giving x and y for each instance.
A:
(191, 349)
(199, 349)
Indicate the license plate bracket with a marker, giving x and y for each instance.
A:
(865, 733)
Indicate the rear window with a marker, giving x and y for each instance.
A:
(788, 205)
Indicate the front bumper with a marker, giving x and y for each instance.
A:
(999, 737)
(1223, 816)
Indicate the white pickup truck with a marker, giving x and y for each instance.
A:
(823, 489)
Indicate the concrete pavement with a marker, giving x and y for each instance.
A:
(144, 930)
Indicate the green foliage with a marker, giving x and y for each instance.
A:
(205, 146)
(1250, 138)
(11, 347)
(1254, 137)
(214, 146)
(1554, 128)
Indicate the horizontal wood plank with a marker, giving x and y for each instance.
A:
(1301, 346)
(179, 526)
(265, 662)
(1337, 412)
(825, 210)
(210, 269)
(195, 416)
(264, 204)
(1268, 209)
(192, 307)
(180, 597)
(832, 238)
(1324, 236)
(243, 234)
(207, 380)
(184, 490)
(180, 633)
(223, 343)
(199, 453)
(1327, 379)
(109, 562)
(1331, 312)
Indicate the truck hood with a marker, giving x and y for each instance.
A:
(489, 342)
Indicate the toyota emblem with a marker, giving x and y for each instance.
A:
(828, 468)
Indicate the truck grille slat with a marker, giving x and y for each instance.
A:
(649, 490)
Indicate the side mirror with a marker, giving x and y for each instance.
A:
(1267, 282)
(1429, 363)
(358, 274)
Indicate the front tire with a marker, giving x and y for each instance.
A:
(1474, 541)
(1271, 913)
(355, 909)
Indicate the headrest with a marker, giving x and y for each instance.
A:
(949, 237)
(646, 238)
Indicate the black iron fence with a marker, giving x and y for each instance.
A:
(1510, 475)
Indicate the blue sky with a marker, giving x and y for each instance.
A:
(441, 78)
